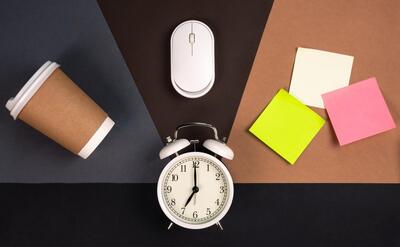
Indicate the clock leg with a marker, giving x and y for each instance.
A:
(219, 225)
(170, 225)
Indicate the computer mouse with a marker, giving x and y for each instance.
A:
(192, 59)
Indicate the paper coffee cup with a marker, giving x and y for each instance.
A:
(53, 104)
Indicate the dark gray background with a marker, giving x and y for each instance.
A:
(74, 34)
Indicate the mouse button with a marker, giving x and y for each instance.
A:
(202, 31)
(180, 34)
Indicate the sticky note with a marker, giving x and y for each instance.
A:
(317, 72)
(358, 111)
(287, 126)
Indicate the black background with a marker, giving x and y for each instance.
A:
(262, 215)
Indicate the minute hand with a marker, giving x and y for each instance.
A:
(195, 176)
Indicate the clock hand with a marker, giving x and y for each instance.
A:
(190, 198)
(194, 191)
(195, 176)
(195, 181)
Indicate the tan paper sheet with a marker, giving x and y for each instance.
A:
(369, 31)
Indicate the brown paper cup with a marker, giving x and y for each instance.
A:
(53, 104)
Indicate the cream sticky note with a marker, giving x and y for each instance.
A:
(287, 126)
(358, 111)
(317, 72)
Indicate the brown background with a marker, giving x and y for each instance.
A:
(143, 29)
(368, 30)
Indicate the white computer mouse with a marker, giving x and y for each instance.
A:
(192, 59)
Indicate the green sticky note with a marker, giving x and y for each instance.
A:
(287, 126)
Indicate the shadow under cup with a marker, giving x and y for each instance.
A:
(53, 104)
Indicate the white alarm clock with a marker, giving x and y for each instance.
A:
(195, 189)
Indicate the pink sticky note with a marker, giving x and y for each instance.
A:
(358, 111)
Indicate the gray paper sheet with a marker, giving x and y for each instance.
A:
(74, 34)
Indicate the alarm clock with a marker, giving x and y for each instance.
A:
(195, 189)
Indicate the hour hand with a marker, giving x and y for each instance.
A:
(190, 198)
(194, 191)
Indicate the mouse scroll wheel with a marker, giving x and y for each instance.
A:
(192, 38)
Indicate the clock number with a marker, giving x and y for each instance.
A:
(183, 210)
(208, 211)
(217, 202)
(222, 189)
(183, 168)
(217, 176)
(173, 202)
(195, 215)
(175, 177)
(196, 163)
(169, 189)
(208, 167)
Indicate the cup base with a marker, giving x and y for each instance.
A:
(97, 138)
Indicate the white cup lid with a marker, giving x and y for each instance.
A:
(17, 103)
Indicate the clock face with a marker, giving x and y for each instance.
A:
(195, 189)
